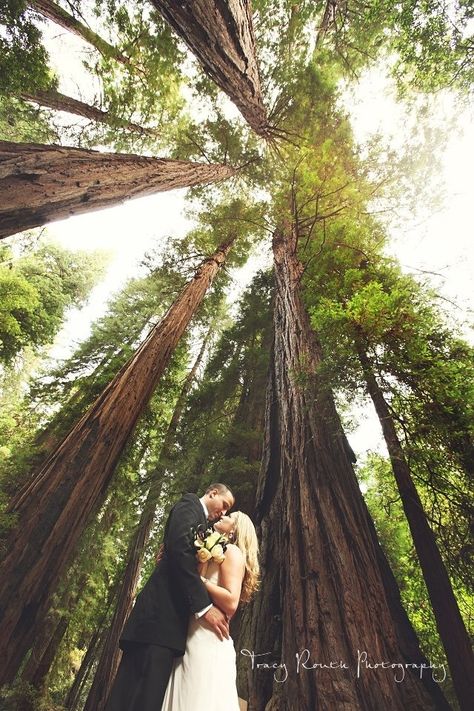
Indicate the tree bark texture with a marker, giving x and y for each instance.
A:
(323, 600)
(60, 102)
(54, 508)
(41, 184)
(111, 653)
(220, 34)
(61, 17)
(449, 622)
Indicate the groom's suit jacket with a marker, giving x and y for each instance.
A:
(174, 590)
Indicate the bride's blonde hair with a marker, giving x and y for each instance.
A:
(245, 538)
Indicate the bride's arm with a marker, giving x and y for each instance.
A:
(226, 595)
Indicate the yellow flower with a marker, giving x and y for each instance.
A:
(203, 555)
(218, 553)
(212, 539)
(198, 543)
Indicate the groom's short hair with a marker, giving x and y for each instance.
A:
(221, 488)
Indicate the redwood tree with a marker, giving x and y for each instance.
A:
(54, 507)
(41, 184)
(450, 624)
(323, 589)
(221, 36)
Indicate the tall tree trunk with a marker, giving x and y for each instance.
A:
(41, 184)
(80, 680)
(60, 102)
(96, 641)
(50, 652)
(110, 655)
(220, 34)
(449, 621)
(45, 646)
(57, 14)
(328, 20)
(54, 508)
(322, 588)
(249, 421)
(41, 658)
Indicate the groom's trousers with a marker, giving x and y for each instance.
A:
(142, 678)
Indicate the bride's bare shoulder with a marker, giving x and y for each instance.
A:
(233, 554)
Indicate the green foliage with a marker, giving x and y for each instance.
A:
(433, 43)
(284, 32)
(36, 290)
(23, 59)
(20, 121)
(376, 479)
(147, 89)
(64, 392)
(218, 140)
(59, 395)
(428, 45)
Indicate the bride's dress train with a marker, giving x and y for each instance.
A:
(204, 679)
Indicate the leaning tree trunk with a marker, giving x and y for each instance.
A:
(328, 20)
(94, 646)
(54, 508)
(41, 658)
(49, 655)
(449, 622)
(220, 34)
(110, 655)
(72, 699)
(52, 99)
(41, 184)
(47, 642)
(322, 610)
(54, 626)
(57, 14)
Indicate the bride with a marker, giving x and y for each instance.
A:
(205, 676)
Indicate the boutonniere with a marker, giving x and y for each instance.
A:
(209, 544)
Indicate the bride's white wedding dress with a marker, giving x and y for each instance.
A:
(204, 679)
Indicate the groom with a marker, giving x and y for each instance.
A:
(155, 632)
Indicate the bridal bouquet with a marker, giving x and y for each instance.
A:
(210, 544)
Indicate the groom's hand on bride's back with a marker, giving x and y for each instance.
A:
(218, 622)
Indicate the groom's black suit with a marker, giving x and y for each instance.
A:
(157, 627)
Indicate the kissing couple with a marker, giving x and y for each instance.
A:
(177, 651)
